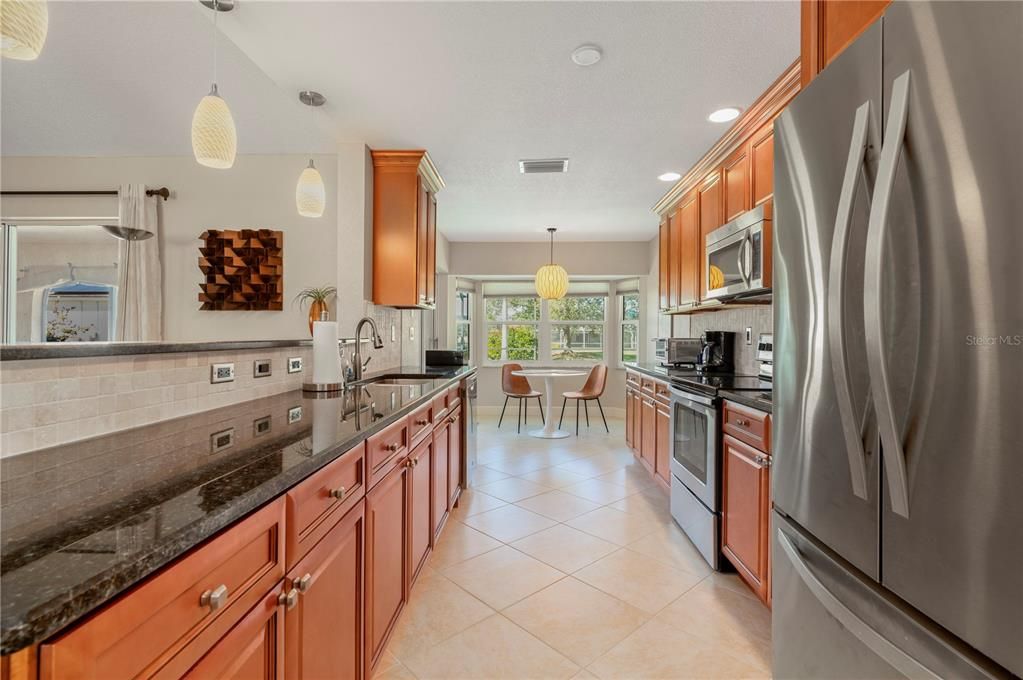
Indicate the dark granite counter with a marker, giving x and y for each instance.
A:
(711, 384)
(751, 399)
(84, 521)
(78, 350)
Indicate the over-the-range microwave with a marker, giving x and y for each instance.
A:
(735, 258)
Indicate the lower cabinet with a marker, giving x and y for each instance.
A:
(420, 505)
(628, 418)
(441, 470)
(746, 510)
(386, 563)
(648, 424)
(648, 433)
(662, 445)
(454, 457)
(323, 626)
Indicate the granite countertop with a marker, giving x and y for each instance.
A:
(719, 383)
(751, 399)
(84, 521)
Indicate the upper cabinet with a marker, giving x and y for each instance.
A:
(828, 26)
(405, 186)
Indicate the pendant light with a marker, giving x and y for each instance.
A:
(214, 141)
(310, 194)
(551, 279)
(23, 25)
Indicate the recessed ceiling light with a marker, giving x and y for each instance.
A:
(586, 55)
(724, 115)
(669, 177)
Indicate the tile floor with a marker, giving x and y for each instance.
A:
(563, 562)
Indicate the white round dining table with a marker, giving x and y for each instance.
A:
(548, 431)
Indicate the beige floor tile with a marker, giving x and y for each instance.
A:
(396, 672)
(558, 505)
(719, 615)
(494, 649)
(638, 580)
(614, 525)
(502, 577)
(518, 464)
(458, 543)
(509, 523)
(513, 489)
(598, 491)
(473, 502)
(485, 475)
(583, 675)
(436, 610)
(657, 651)
(554, 477)
(387, 662)
(650, 503)
(591, 466)
(668, 544)
(565, 548)
(633, 477)
(576, 619)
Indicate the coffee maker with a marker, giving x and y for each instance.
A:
(717, 354)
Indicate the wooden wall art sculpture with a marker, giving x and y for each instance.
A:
(244, 269)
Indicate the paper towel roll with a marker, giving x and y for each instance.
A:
(326, 360)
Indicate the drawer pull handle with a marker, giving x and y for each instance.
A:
(288, 599)
(422, 422)
(338, 493)
(392, 447)
(452, 420)
(214, 599)
(303, 584)
(762, 460)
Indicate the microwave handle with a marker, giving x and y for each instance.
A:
(742, 259)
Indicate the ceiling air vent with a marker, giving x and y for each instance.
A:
(530, 167)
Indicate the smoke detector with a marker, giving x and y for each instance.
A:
(586, 55)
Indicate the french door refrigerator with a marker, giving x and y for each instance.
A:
(898, 344)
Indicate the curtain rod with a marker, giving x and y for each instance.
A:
(162, 192)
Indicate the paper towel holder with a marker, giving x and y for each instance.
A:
(322, 389)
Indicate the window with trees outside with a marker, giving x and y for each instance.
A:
(629, 321)
(513, 325)
(577, 328)
(463, 316)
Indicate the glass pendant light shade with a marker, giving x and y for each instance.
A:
(23, 25)
(551, 282)
(310, 195)
(214, 140)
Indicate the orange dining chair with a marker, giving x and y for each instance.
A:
(518, 387)
(596, 381)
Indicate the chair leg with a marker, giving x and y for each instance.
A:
(539, 402)
(562, 419)
(577, 417)
(525, 412)
(501, 419)
(586, 410)
(518, 427)
(602, 417)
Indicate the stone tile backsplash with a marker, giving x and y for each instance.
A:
(759, 318)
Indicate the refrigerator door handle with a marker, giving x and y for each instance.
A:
(877, 363)
(873, 640)
(836, 302)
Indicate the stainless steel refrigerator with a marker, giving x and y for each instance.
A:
(898, 345)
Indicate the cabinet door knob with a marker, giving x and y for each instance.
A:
(288, 599)
(338, 493)
(452, 420)
(763, 460)
(214, 599)
(392, 447)
(422, 422)
(302, 584)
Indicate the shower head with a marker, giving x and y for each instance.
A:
(127, 233)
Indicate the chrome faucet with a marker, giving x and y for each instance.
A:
(378, 343)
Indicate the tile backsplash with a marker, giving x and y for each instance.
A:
(759, 318)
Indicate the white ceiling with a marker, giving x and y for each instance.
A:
(479, 84)
(483, 84)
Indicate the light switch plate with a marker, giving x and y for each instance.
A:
(749, 335)
(260, 426)
(261, 368)
(221, 373)
(294, 414)
(394, 335)
(294, 364)
(411, 332)
(221, 440)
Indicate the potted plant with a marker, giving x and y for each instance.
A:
(317, 299)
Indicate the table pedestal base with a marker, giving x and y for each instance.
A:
(542, 433)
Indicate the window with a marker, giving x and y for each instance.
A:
(513, 325)
(577, 328)
(463, 313)
(629, 322)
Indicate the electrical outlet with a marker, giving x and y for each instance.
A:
(221, 373)
(394, 334)
(221, 440)
(749, 335)
(294, 414)
(261, 368)
(294, 364)
(260, 426)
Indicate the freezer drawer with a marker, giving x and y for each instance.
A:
(829, 621)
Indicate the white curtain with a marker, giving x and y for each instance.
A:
(140, 283)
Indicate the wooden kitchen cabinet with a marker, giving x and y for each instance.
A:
(746, 513)
(761, 158)
(689, 252)
(648, 433)
(662, 446)
(829, 26)
(454, 457)
(405, 184)
(628, 418)
(663, 271)
(712, 207)
(420, 506)
(323, 629)
(439, 493)
(386, 559)
(674, 263)
(736, 174)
